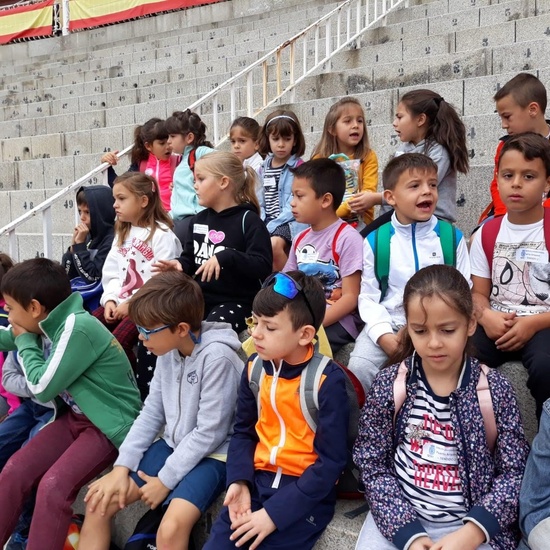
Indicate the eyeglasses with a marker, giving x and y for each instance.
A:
(286, 286)
(146, 333)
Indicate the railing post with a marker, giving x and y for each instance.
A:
(348, 22)
(279, 87)
(66, 15)
(316, 44)
(358, 16)
(249, 107)
(338, 28)
(47, 232)
(328, 45)
(233, 108)
(264, 83)
(215, 118)
(12, 245)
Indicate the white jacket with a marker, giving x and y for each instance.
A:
(412, 247)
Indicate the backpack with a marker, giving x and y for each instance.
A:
(335, 254)
(348, 484)
(448, 235)
(483, 396)
(490, 233)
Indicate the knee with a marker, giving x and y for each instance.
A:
(172, 532)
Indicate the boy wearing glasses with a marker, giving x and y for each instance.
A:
(281, 475)
(191, 400)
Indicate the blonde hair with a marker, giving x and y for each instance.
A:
(244, 180)
(153, 214)
(329, 142)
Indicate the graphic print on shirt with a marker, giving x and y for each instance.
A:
(327, 271)
(210, 245)
(521, 276)
(140, 253)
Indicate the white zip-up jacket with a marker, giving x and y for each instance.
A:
(412, 247)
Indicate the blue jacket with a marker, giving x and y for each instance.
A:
(285, 196)
(184, 200)
(490, 484)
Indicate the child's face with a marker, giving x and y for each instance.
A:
(439, 334)
(84, 213)
(281, 146)
(207, 187)
(414, 196)
(306, 207)
(161, 148)
(514, 118)
(275, 339)
(27, 318)
(521, 185)
(349, 128)
(177, 142)
(160, 342)
(408, 127)
(242, 144)
(128, 206)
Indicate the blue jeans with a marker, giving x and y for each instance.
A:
(20, 426)
(534, 498)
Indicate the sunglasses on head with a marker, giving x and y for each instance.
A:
(286, 286)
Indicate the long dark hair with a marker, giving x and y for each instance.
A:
(444, 125)
(185, 122)
(153, 129)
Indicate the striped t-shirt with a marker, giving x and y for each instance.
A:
(271, 191)
(426, 462)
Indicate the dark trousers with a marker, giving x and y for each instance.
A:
(535, 356)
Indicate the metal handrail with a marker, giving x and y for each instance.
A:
(364, 13)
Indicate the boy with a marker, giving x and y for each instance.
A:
(331, 249)
(510, 274)
(192, 400)
(521, 104)
(89, 371)
(281, 475)
(410, 187)
(93, 236)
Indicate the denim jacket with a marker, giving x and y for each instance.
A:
(534, 498)
(490, 483)
(285, 196)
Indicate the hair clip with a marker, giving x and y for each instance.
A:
(280, 116)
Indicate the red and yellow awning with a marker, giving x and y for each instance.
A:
(26, 21)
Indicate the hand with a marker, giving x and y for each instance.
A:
(521, 330)
(389, 342)
(110, 310)
(101, 491)
(362, 201)
(121, 311)
(208, 269)
(110, 158)
(468, 537)
(237, 500)
(154, 492)
(80, 233)
(257, 524)
(166, 265)
(422, 543)
(496, 323)
(17, 329)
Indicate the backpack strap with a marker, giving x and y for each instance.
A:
(192, 159)
(399, 389)
(174, 162)
(142, 166)
(382, 237)
(309, 388)
(489, 232)
(335, 254)
(300, 237)
(448, 236)
(546, 227)
(255, 378)
(486, 406)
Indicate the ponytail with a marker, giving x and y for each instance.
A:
(247, 193)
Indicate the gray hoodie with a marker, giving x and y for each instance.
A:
(193, 399)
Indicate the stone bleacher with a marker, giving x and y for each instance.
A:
(66, 100)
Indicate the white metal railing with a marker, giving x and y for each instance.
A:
(291, 63)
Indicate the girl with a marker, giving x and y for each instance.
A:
(282, 140)
(228, 249)
(151, 154)
(187, 136)
(427, 124)
(243, 135)
(344, 133)
(431, 480)
(142, 235)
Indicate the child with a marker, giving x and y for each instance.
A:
(431, 479)
(152, 155)
(243, 135)
(534, 507)
(187, 137)
(282, 140)
(521, 104)
(93, 236)
(142, 235)
(281, 476)
(88, 370)
(228, 250)
(345, 133)
(510, 270)
(192, 401)
(413, 241)
(331, 249)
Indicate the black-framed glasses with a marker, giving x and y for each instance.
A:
(286, 286)
(146, 333)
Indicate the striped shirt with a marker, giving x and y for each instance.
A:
(426, 461)
(271, 191)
